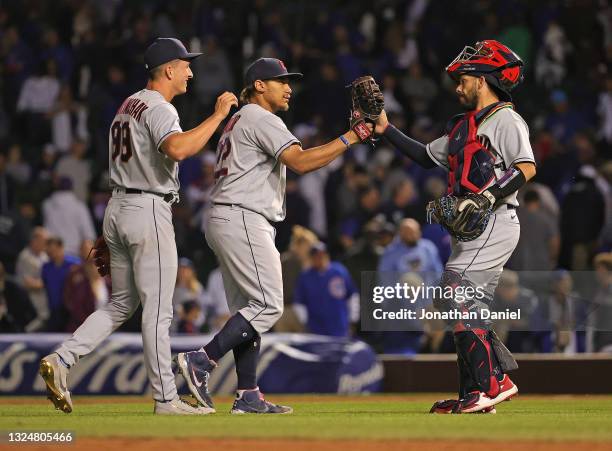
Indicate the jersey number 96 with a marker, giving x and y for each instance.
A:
(121, 142)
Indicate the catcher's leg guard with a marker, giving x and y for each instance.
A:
(478, 364)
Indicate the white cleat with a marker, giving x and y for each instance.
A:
(54, 373)
(179, 407)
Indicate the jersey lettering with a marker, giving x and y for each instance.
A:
(224, 148)
(121, 141)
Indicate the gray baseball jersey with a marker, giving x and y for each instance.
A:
(504, 133)
(248, 170)
(140, 126)
(139, 232)
(250, 192)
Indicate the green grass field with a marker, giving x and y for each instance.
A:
(376, 417)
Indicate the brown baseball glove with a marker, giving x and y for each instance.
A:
(101, 256)
(367, 104)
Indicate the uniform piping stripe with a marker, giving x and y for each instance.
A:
(158, 303)
(256, 270)
(162, 138)
(481, 247)
(284, 146)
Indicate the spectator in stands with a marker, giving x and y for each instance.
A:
(75, 167)
(582, 218)
(351, 227)
(85, 290)
(293, 261)
(365, 254)
(601, 315)
(326, 299)
(510, 295)
(409, 252)
(29, 275)
(54, 275)
(563, 310)
(36, 101)
(404, 203)
(538, 247)
(69, 121)
(16, 311)
(16, 167)
(67, 217)
(190, 313)
(188, 288)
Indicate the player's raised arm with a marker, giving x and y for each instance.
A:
(305, 160)
(409, 147)
(179, 146)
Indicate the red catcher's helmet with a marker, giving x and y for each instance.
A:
(501, 67)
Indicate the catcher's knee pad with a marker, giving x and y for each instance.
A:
(480, 365)
(450, 280)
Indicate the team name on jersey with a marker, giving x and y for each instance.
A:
(133, 107)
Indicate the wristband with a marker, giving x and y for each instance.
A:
(345, 141)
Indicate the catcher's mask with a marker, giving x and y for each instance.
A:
(501, 67)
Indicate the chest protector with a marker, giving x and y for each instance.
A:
(471, 164)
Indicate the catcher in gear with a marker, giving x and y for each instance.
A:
(488, 157)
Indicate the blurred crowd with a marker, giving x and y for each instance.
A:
(66, 66)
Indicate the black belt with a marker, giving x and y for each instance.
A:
(224, 204)
(167, 197)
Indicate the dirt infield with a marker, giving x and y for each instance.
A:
(145, 444)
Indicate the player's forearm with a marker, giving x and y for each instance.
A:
(317, 157)
(186, 144)
(408, 146)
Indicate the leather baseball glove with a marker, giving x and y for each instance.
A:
(465, 217)
(367, 104)
(101, 256)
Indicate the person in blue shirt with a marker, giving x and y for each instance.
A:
(325, 297)
(54, 274)
(409, 252)
(409, 256)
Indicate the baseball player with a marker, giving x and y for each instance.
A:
(486, 151)
(145, 144)
(249, 194)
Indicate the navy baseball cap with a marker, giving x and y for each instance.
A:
(266, 69)
(164, 50)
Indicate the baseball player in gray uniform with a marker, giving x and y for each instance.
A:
(486, 151)
(145, 144)
(252, 156)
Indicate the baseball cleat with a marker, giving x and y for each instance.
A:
(195, 366)
(507, 389)
(179, 407)
(252, 401)
(54, 373)
(477, 401)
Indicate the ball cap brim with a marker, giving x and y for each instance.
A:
(267, 69)
(166, 49)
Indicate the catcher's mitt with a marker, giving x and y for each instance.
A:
(367, 104)
(464, 217)
(101, 256)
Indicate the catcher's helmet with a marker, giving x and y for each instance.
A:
(501, 67)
